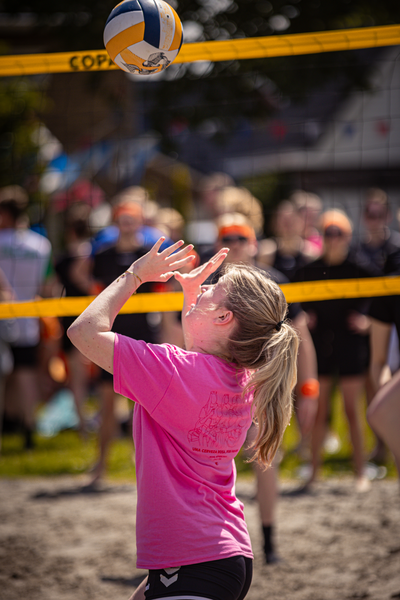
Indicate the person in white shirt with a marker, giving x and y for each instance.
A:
(24, 259)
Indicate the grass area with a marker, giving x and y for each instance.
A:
(66, 453)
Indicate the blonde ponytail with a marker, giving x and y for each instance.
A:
(272, 386)
(267, 345)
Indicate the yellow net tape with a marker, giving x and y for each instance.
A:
(237, 49)
(173, 301)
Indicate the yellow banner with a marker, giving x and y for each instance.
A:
(237, 49)
(173, 301)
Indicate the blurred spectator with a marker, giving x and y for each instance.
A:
(287, 251)
(384, 415)
(384, 411)
(340, 332)
(236, 233)
(309, 208)
(134, 193)
(102, 230)
(8, 330)
(379, 247)
(229, 200)
(392, 267)
(392, 263)
(379, 242)
(209, 188)
(171, 223)
(51, 369)
(73, 273)
(25, 260)
(108, 233)
(232, 199)
(108, 264)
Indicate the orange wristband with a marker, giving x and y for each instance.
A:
(310, 388)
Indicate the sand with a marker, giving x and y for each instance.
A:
(59, 542)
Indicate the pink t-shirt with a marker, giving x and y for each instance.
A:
(189, 422)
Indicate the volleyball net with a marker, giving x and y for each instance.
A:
(223, 50)
(360, 134)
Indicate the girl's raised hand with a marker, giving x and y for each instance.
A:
(160, 266)
(190, 282)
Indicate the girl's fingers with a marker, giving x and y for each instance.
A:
(178, 276)
(171, 249)
(166, 276)
(182, 252)
(158, 244)
(201, 273)
(223, 252)
(216, 260)
(181, 263)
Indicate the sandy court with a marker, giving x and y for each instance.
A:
(59, 543)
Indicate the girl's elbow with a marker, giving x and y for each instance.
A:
(75, 333)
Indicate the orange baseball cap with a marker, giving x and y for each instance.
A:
(237, 229)
(128, 208)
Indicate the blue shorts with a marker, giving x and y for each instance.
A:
(225, 579)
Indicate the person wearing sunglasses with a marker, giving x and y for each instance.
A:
(379, 242)
(380, 247)
(339, 329)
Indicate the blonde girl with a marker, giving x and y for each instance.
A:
(193, 410)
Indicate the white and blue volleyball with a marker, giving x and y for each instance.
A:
(143, 36)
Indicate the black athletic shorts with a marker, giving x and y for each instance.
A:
(225, 579)
(25, 356)
(341, 354)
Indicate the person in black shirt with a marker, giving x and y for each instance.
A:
(379, 242)
(287, 251)
(379, 247)
(339, 329)
(108, 264)
(70, 269)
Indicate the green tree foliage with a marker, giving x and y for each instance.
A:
(78, 24)
(20, 102)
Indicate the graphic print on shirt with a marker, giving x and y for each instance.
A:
(219, 426)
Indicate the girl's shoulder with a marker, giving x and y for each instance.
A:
(196, 357)
(202, 370)
(206, 364)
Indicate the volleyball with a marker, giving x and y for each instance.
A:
(143, 36)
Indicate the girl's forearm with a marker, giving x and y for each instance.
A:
(100, 315)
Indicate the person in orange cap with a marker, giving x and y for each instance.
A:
(340, 333)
